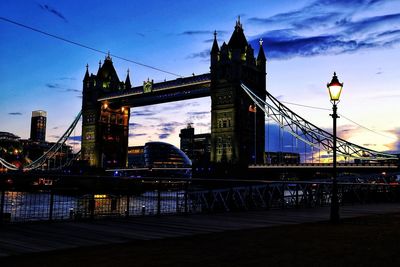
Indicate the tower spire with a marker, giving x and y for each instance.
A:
(128, 84)
(261, 54)
(215, 48)
(98, 71)
(108, 57)
(238, 24)
(86, 73)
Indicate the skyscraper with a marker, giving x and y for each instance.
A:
(38, 125)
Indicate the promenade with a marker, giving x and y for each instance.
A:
(20, 240)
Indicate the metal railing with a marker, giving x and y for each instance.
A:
(74, 198)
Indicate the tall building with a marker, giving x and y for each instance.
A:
(196, 146)
(38, 126)
(187, 138)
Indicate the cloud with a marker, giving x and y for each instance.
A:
(143, 112)
(346, 131)
(54, 136)
(53, 11)
(140, 34)
(53, 85)
(203, 124)
(395, 146)
(74, 143)
(15, 113)
(75, 138)
(163, 136)
(137, 134)
(202, 32)
(212, 40)
(61, 88)
(73, 90)
(194, 32)
(133, 125)
(198, 115)
(181, 105)
(67, 78)
(155, 119)
(319, 29)
(166, 129)
(169, 126)
(204, 54)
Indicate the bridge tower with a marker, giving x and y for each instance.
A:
(237, 132)
(105, 126)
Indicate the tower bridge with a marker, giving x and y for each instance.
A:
(107, 101)
(236, 84)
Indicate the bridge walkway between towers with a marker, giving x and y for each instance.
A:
(17, 239)
(156, 93)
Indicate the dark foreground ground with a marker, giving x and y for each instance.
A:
(363, 241)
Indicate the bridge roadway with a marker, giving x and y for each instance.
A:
(162, 92)
(17, 239)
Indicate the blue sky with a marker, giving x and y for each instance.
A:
(305, 42)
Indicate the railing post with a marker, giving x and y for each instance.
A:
(267, 197)
(283, 195)
(159, 198)
(249, 198)
(3, 193)
(177, 210)
(186, 197)
(297, 195)
(91, 206)
(127, 206)
(51, 205)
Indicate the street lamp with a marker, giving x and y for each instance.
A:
(334, 88)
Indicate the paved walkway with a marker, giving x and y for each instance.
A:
(18, 239)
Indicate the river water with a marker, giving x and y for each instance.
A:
(21, 206)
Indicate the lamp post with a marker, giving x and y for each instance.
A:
(334, 88)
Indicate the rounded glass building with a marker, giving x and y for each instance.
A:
(164, 155)
(158, 159)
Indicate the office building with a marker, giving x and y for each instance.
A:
(38, 126)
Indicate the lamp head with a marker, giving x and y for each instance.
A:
(335, 88)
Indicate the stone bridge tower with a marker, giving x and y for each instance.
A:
(237, 132)
(105, 126)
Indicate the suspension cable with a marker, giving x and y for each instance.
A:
(309, 131)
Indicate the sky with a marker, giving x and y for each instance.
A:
(304, 41)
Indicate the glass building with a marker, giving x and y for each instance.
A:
(163, 155)
(158, 159)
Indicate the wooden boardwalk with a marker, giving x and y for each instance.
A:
(16, 239)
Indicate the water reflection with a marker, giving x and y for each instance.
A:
(23, 206)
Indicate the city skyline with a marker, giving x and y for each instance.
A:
(304, 44)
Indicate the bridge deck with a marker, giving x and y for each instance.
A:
(167, 91)
(27, 238)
